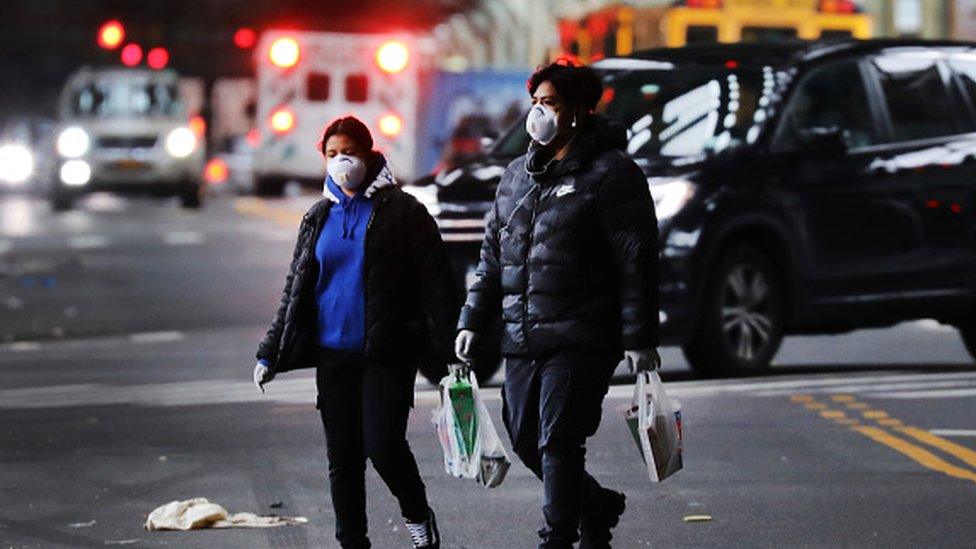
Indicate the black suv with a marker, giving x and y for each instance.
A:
(809, 187)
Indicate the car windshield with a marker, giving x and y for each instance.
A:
(677, 111)
(115, 98)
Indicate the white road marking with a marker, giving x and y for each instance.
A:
(932, 324)
(183, 238)
(88, 242)
(946, 393)
(156, 337)
(21, 346)
(875, 386)
(954, 432)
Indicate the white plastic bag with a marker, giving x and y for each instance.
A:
(654, 420)
(467, 435)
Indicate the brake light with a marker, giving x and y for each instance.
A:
(392, 56)
(216, 171)
(282, 121)
(731, 64)
(391, 125)
(284, 52)
(198, 125)
(254, 137)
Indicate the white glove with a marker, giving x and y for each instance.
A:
(463, 345)
(459, 369)
(262, 375)
(642, 360)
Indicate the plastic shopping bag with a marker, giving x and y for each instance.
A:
(654, 420)
(467, 435)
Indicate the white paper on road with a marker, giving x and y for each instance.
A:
(199, 513)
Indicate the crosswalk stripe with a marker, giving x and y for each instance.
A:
(954, 432)
(88, 242)
(183, 238)
(935, 393)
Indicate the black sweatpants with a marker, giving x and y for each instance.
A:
(551, 406)
(364, 409)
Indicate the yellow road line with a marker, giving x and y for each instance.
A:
(858, 406)
(842, 398)
(890, 422)
(815, 406)
(833, 414)
(255, 207)
(965, 454)
(916, 453)
(801, 398)
(875, 414)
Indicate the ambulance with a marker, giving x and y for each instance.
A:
(307, 79)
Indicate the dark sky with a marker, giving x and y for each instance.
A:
(43, 41)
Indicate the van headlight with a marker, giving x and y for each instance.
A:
(671, 196)
(73, 142)
(180, 143)
(16, 163)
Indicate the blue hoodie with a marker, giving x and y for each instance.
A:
(340, 291)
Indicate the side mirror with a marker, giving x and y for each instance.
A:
(822, 141)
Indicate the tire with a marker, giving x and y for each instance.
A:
(747, 335)
(968, 333)
(61, 202)
(191, 199)
(269, 186)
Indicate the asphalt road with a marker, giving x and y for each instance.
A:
(127, 331)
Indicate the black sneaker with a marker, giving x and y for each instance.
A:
(595, 526)
(425, 534)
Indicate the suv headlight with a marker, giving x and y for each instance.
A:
(73, 142)
(180, 143)
(671, 196)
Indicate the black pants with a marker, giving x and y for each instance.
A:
(551, 406)
(364, 410)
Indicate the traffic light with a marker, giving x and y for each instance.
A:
(131, 55)
(157, 58)
(392, 56)
(111, 34)
(284, 52)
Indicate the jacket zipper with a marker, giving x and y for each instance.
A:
(369, 225)
(528, 261)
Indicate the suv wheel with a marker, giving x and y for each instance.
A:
(968, 333)
(742, 321)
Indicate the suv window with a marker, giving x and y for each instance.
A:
(916, 96)
(832, 96)
(965, 69)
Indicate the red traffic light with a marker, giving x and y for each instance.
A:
(392, 56)
(284, 52)
(131, 55)
(245, 38)
(110, 35)
(157, 58)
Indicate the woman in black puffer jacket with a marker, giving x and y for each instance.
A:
(370, 294)
(569, 261)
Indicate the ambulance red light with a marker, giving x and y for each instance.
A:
(391, 125)
(392, 56)
(110, 35)
(157, 58)
(282, 121)
(245, 38)
(284, 52)
(131, 55)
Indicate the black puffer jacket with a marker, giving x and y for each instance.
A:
(412, 300)
(570, 257)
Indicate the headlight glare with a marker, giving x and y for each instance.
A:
(180, 143)
(73, 142)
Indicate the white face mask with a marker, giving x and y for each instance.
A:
(347, 171)
(541, 124)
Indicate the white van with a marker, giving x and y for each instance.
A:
(125, 131)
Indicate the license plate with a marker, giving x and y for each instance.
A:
(128, 165)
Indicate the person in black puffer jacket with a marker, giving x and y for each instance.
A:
(370, 293)
(570, 262)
